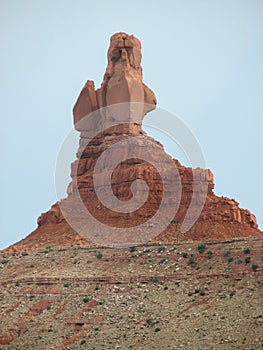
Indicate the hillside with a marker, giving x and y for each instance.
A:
(164, 296)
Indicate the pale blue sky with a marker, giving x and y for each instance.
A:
(202, 58)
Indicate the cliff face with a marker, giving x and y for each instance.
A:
(109, 127)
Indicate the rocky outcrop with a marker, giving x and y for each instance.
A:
(220, 218)
(122, 83)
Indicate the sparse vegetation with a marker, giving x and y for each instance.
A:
(209, 254)
(99, 255)
(246, 251)
(4, 261)
(201, 247)
(85, 299)
(232, 293)
(161, 249)
(191, 261)
(150, 322)
(134, 297)
(247, 259)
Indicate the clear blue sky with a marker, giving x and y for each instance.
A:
(202, 58)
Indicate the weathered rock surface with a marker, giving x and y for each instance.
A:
(221, 217)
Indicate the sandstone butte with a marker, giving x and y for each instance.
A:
(221, 218)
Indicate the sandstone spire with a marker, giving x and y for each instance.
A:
(221, 217)
(122, 82)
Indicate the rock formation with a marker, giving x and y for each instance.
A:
(220, 218)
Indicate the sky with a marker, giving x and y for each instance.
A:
(203, 59)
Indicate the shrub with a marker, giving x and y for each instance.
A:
(173, 221)
(161, 249)
(157, 329)
(150, 322)
(247, 260)
(246, 251)
(99, 255)
(163, 261)
(67, 284)
(4, 261)
(209, 254)
(227, 253)
(147, 250)
(191, 261)
(83, 341)
(133, 248)
(239, 261)
(254, 267)
(202, 292)
(231, 294)
(184, 255)
(85, 299)
(230, 259)
(201, 248)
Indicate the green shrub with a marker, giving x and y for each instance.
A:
(191, 261)
(83, 341)
(232, 293)
(202, 293)
(4, 261)
(254, 267)
(247, 260)
(150, 322)
(230, 259)
(161, 249)
(67, 284)
(99, 255)
(201, 248)
(246, 251)
(239, 261)
(157, 329)
(209, 254)
(184, 255)
(133, 248)
(163, 261)
(85, 299)
(147, 250)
